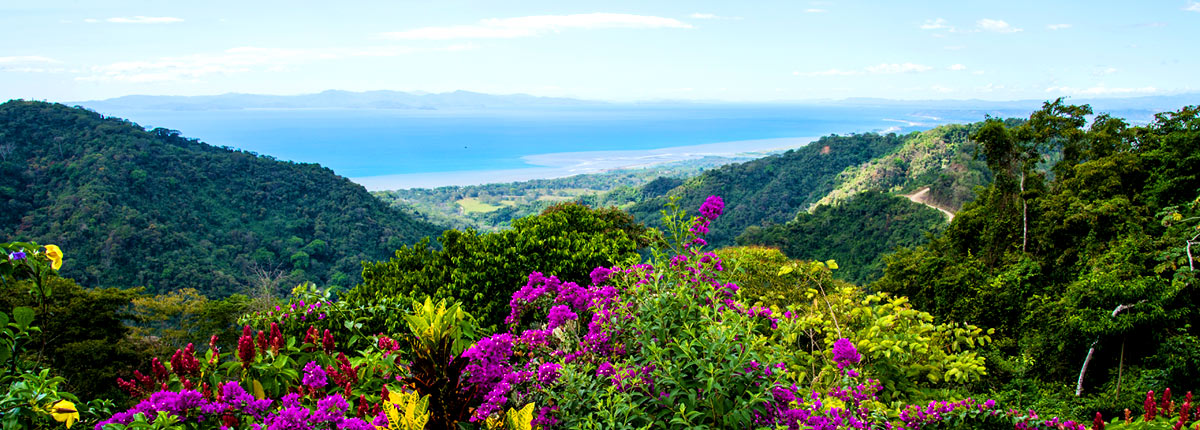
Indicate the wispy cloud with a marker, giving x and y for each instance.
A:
(890, 68)
(996, 25)
(528, 26)
(815, 10)
(1192, 7)
(699, 15)
(190, 68)
(830, 72)
(1058, 26)
(957, 67)
(1101, 90)
(879, 69)
(936, 24)
(139, 19)
(27, 59)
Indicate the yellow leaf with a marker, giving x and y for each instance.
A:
(258, 390)
(393, 415)
(831, 264)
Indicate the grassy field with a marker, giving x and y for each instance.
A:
(473, 205)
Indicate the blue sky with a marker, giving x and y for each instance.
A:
(612, 50)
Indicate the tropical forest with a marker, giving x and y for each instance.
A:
(1029, 273)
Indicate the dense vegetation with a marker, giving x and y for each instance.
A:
(567, 240)
(1077, 255)
(773, 189)
(490, 207)
(857, 232)
(1084, 274)
(943, 159)
(155, 209)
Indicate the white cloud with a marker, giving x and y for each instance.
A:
(27, 59)
(957, 67)
(1101, 71)
(699, 15)
(879, 69)
(145, 20)
(815, 10)
(1101, 90)
(239, 60)
(831, 72)
(1192, 7)
(91, 20)
(936, 24)
(941, 89)
(527, 26)
(898, 68)
(1058, 26)
(996, 25)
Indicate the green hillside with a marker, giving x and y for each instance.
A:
(856, 232)
(135, 207)
(774, 189)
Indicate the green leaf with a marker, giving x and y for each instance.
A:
(23, 316)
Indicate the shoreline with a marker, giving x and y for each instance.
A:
(564, 164)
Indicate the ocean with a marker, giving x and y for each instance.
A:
(395, 148)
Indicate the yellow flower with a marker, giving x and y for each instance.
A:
(64, 411)
(55, 256)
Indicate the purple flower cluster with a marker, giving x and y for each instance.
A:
(709, 211)
(548, 373)
(845, 354)
(233, 406)
(314, 376)
(559, 315)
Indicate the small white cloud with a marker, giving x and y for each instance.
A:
(977, 72)
(879, 69)
(91, 20)
(145, 20)
(941, 89)
(996, 25)
(957, 67)
(1101, 90)
(1101, 71)
(27, 59)
(1192, 7)
(936, 24)
(1058, 26)
(527, 26)
(898, 68)
(191, 68)
(815, 10)
(954, 47)
(699, 15)
(831, 72)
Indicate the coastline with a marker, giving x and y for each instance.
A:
(563, 164)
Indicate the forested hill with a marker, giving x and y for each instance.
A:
(132, 207)
(774, 189)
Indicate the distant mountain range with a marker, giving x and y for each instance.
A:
(1142, 106)
(333, 99)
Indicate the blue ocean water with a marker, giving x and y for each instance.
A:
(373, 142)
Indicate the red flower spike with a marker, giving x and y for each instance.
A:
(1098, 423)
(246, 350)
(327, 342)
(1149, 406)
(1168, 408)
(246, 331)
(362, 406)
(160, 372)
(261, 341)
(1185, 411)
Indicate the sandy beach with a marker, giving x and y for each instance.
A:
(562, 164)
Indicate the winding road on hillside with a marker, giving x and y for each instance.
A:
(922, 196)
